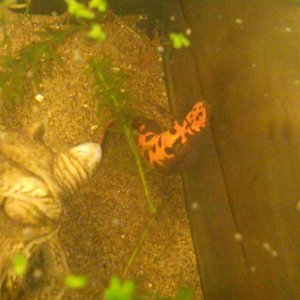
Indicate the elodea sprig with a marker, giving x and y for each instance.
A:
(21, 72)
(109, 85)
(90, 13)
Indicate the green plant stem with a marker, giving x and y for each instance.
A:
(138, 247)
(139, 166)
(62, 35)
(132, 146)
(114, 104)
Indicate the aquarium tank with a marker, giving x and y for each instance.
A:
(149, 149)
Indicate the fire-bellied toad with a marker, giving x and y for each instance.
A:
(172, 149)
(33, 182)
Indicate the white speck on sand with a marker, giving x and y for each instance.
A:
(195, 205)
(288, 29)
(267, 246)
(239, 21)
(188, 31)
(296, 82)
(39, 98)
(238, 236)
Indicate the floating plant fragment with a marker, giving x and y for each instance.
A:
(118, 290)
(75, 282)
(97, 33)
(179, 40)
(19, 264)
(79, 10)
(101, 5)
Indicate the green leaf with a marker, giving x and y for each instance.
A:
(120, 291)
(97, 33)
(20, 72)
(179, 40)
(101, 5)
(79, 10)
(75, 282)
(19, 264)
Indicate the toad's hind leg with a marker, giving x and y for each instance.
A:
(48, 268)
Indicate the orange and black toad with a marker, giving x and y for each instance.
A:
(165, 150)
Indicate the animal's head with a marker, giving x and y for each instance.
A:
(34, 179)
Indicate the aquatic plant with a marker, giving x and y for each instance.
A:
(118, 290)
(19, 264)
(75, 281)
(179, 40)
(22, 72)
(109, 85)
(126, 290)
(94, 11)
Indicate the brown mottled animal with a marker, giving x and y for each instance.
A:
(33, 183)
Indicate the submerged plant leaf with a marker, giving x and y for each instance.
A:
(179, 40)
(109, 85)
(18, 74)
(79, 10)
(97, 33)
(100, 5)
(118, 290)
(75, 282)
(19, 264)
